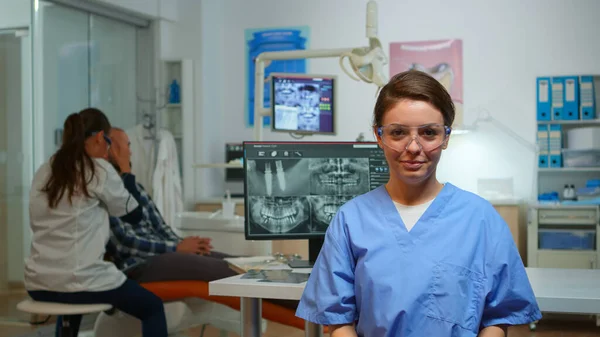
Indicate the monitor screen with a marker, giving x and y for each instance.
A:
(293, 189)
(303, 103)
(234, 151)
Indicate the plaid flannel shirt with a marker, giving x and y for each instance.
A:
(130, 244)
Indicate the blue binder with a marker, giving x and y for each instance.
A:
(542, 141)
(558, 102)
(587, 97)
(571, 97)
(544, 99)
(555, 145)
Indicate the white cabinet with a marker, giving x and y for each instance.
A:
(549, 229)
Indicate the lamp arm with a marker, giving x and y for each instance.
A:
(531, 146)
(259, 77)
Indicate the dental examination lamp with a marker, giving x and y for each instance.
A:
(484, 116)
(366, 62)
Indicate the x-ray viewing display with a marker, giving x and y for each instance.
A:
(294, 189)
(273, 177)
(277, 215)
(339, 176)
(303, 103)
(324, 209)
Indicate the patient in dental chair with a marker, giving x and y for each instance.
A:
(149, 251)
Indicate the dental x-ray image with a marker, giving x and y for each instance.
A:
(323, 209)
(277, 215)
(339, 176)
(277, 177)
(297, 106)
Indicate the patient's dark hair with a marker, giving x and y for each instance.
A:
(417, 86)
(71, 163)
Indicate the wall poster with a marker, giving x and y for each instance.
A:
(442, 59)
(272, 39)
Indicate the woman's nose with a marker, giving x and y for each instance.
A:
(413, 146)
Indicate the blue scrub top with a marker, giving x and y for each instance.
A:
(457, 271)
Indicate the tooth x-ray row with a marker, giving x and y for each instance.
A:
(301, 195)
(307, 176)
(297, 106)
(287, 215)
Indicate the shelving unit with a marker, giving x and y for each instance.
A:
(546, 219)
(178, 118)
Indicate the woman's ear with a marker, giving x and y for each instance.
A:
(99, 137)
(445, 146)
(377, 136)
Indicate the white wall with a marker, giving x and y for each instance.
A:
(165, 9)
(14, 13)
(506, 45)
(197, 23)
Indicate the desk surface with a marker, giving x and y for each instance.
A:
(566, 290)
(557, 290)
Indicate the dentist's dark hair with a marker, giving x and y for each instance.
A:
(417, 86)
(71, 167)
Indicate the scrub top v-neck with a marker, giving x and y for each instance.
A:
(455, 271)
(410, 215)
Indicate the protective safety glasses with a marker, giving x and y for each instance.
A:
(399, 137)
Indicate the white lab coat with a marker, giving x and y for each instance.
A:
(68, 242)
(143, 156)
(166, 180)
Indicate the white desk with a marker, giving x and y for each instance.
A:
(574, 291)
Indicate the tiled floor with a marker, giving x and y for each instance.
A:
(14, 323)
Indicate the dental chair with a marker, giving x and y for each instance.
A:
(188, 305)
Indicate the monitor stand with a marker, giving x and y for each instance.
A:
(314, 248)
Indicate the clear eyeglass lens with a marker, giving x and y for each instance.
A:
(399, 136)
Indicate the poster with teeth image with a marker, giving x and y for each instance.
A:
(339, 176)
(277, 177)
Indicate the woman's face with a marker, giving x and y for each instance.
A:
(414, 164)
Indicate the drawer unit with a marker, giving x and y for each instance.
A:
(563, 236)
(566, 260)
(565, 216)
(565, 239)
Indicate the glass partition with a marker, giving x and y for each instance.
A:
(82, 60)
(15, 152)
(65, 69)
(113, 70)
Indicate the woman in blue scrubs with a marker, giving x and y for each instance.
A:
(416, 257)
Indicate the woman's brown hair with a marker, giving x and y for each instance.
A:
(71, 167)
(417, 86)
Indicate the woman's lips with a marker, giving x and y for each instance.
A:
(412, 165)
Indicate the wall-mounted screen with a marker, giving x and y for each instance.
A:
(302, 103)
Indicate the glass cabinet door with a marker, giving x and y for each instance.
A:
(15, 153)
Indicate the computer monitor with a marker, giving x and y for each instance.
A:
(302, 103)
(292, 190)
(234, 177)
